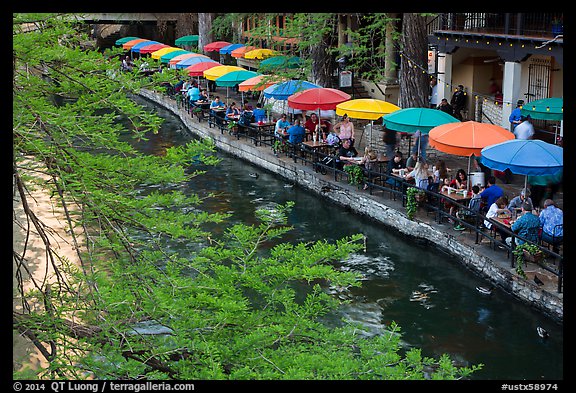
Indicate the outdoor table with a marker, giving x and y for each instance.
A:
(314, 147)
(456, 196)
(263, 129)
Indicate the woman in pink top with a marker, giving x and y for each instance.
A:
(346, 129)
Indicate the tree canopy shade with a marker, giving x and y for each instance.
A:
(225, 310)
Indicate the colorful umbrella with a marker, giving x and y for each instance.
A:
(281, 91)
(159, 53)
(216, 72)
(193, 60)
(131, 43)
(187, 40)
(166, 58)
(280, 62)
(259, 53)
(121, 41)
(524, 157)
(544, 109)
(234, 78)
(180, 57)
(417, 119)
(321, 98)
(199, 68)
(136, 48)
(153, 48)
(365, 108)
(226, 50)
(467, 138)
(215, 46)
(259, 82)
(239, 52)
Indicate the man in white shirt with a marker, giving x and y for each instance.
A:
(524, 130)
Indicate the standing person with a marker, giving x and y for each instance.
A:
(434, 93)
(420, 144)
(390, 138)
(259, 114)
(345, 129)
(458, 102)
(491, 192)
(446, 107)
(524, 130)
(515, 115)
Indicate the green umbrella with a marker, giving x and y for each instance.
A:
(544, 109)
(417, 119)
(187, 40)
(281, 62)
(124, 40)
(235, 77)
(168, 56)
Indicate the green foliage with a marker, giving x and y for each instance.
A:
(355, 174)
(519, 254)
(411, 203)
(235, 305)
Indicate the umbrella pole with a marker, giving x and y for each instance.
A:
(468, 176)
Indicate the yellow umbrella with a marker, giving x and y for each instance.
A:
(259, 53)
(216, 72)
(365, 108)
(161, 52)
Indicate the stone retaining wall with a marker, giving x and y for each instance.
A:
(345, 195)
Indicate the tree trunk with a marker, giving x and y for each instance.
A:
(204, 29)
(414, 80)
(322, 62)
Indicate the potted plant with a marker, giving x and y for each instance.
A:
(355, 174)
(232, 126)
(526, 252)
(411, 202)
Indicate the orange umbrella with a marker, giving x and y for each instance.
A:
(259, 82)
(467, 138)
(131, 43)
(239, 52)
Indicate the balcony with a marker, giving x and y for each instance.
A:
(524, 26)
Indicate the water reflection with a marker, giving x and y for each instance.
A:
(427, 292)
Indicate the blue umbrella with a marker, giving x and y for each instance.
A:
(193, 60)
(281, 91)
(226, 50)
(524, 157)
(136, 48)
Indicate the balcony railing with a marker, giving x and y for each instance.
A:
(521, 25)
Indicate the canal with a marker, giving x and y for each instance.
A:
(426, 291)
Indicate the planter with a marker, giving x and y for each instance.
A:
(534, 258)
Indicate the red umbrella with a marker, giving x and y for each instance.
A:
(216, 46)
(153, 48)
(199, 68)
(323, 98)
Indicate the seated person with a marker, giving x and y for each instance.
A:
(346, 153)
(326, 127)
(296, 133)
(460, 182)
(246, 117)
(233, 113)
(517, 201)
(498, 207)
(193, 94)
(370, 162)
(259, 114)
(419, 174)
(411, 161)
(527, 226)
(394, 167)
(282, 126)
(491, 193)
(550, 217)
(216, 107)
(473, 206)
(312, 126)
(203, 100)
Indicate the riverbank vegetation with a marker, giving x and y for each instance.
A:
(230, 308)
